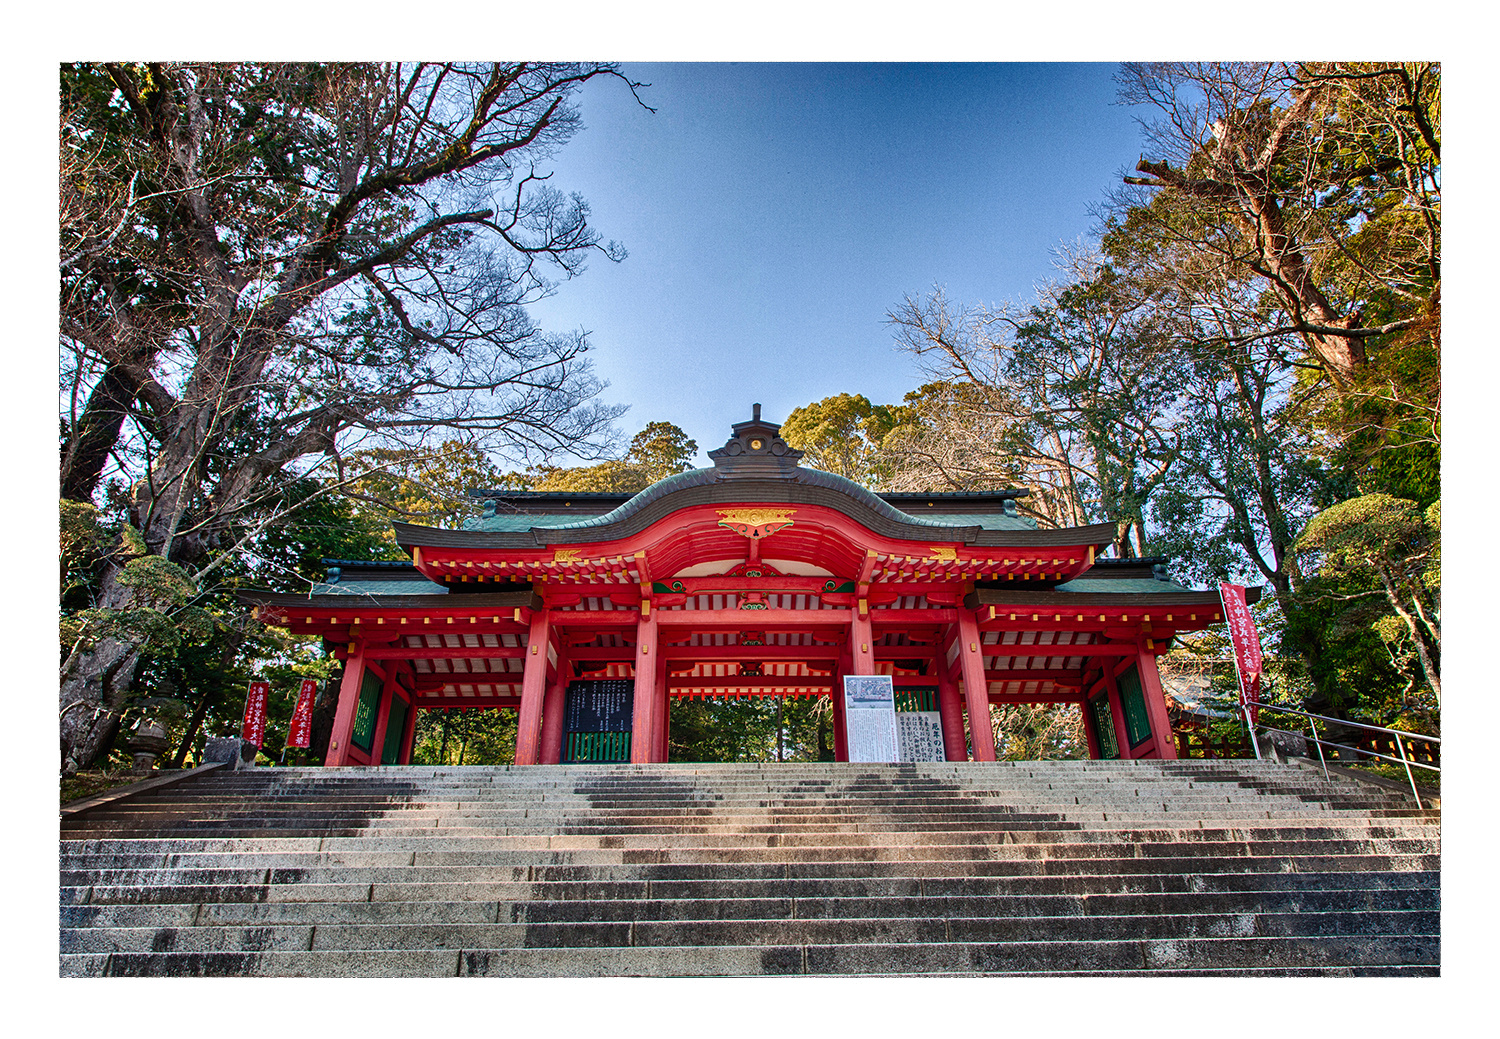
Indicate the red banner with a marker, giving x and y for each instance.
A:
(300, 732)
(253, 731)
(1247, 657)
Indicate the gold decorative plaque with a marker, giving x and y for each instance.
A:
(944, 555)
(567, 555)
(755, 523)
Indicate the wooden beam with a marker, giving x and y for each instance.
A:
(683, 683)
(772, 620)
(895, 618)
(445, 652)
(429, 702)
(1035, 675)
(1067, 696)
(1111, 649)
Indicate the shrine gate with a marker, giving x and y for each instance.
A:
(590, 613)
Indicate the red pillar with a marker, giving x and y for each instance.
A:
(343, 718)
(533, 686)
(643, 710)
(861, 644)
(661, 709)
(383, 713)
(840, 733)
(409, 736)
(552, 709)
(1156, 702)
(976, 686)
(950, 708)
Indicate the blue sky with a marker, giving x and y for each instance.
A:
(775, 212)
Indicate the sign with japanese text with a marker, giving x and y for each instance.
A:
(870, 717)
(599, 705)
(299, 734)
(1247, 657)
(253, 731)
(921, 735)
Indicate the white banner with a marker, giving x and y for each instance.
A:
(870, 717)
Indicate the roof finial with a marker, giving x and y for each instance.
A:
(756, 416)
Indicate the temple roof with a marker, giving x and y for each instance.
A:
(1123, 582)
(755, 464)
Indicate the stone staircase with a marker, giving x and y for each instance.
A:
(1050, 868)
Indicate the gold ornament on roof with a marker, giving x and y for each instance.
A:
(941, 554)
(567, 555)
(755, 523)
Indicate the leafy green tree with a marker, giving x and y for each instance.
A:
(840, 435)
(458, 737)
(262, 264)
(751, 728)
(655, 453)
(426, 484)
(1071, 396)
(1322, 180)
(1039, 732)
(1394, 545)
(661, 450)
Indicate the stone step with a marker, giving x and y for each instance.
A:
(535, 904)
(1014, 895)
(721, 932)
(1062, 868)
(112, 873)
(495, 888)
(957, 958)
(981, 848)
(129, 859)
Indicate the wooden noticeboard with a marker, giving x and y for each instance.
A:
(599, 705)
(597, 720)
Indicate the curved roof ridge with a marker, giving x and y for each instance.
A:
(707, 477)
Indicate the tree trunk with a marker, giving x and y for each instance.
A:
(1429, 666)
(194, 724)
(95, 434)
(90, 701)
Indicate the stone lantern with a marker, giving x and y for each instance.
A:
(146, 744)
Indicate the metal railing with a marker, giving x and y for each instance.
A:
(1313, 719)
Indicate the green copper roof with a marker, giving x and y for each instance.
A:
(519, 522)
(515, 521)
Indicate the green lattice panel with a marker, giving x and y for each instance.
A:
(1137, 720)
(363, 736)
(597, 746)
(395, 725)
(917, 699)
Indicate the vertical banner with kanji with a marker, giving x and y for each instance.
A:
(253, 731)
(299, 733)
(1247, 658)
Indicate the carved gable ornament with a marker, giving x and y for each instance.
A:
(755, 523)
(755, 451)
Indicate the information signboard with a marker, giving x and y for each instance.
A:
(870, 717)
(599, 705)
(920, 735)
(919, 724)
